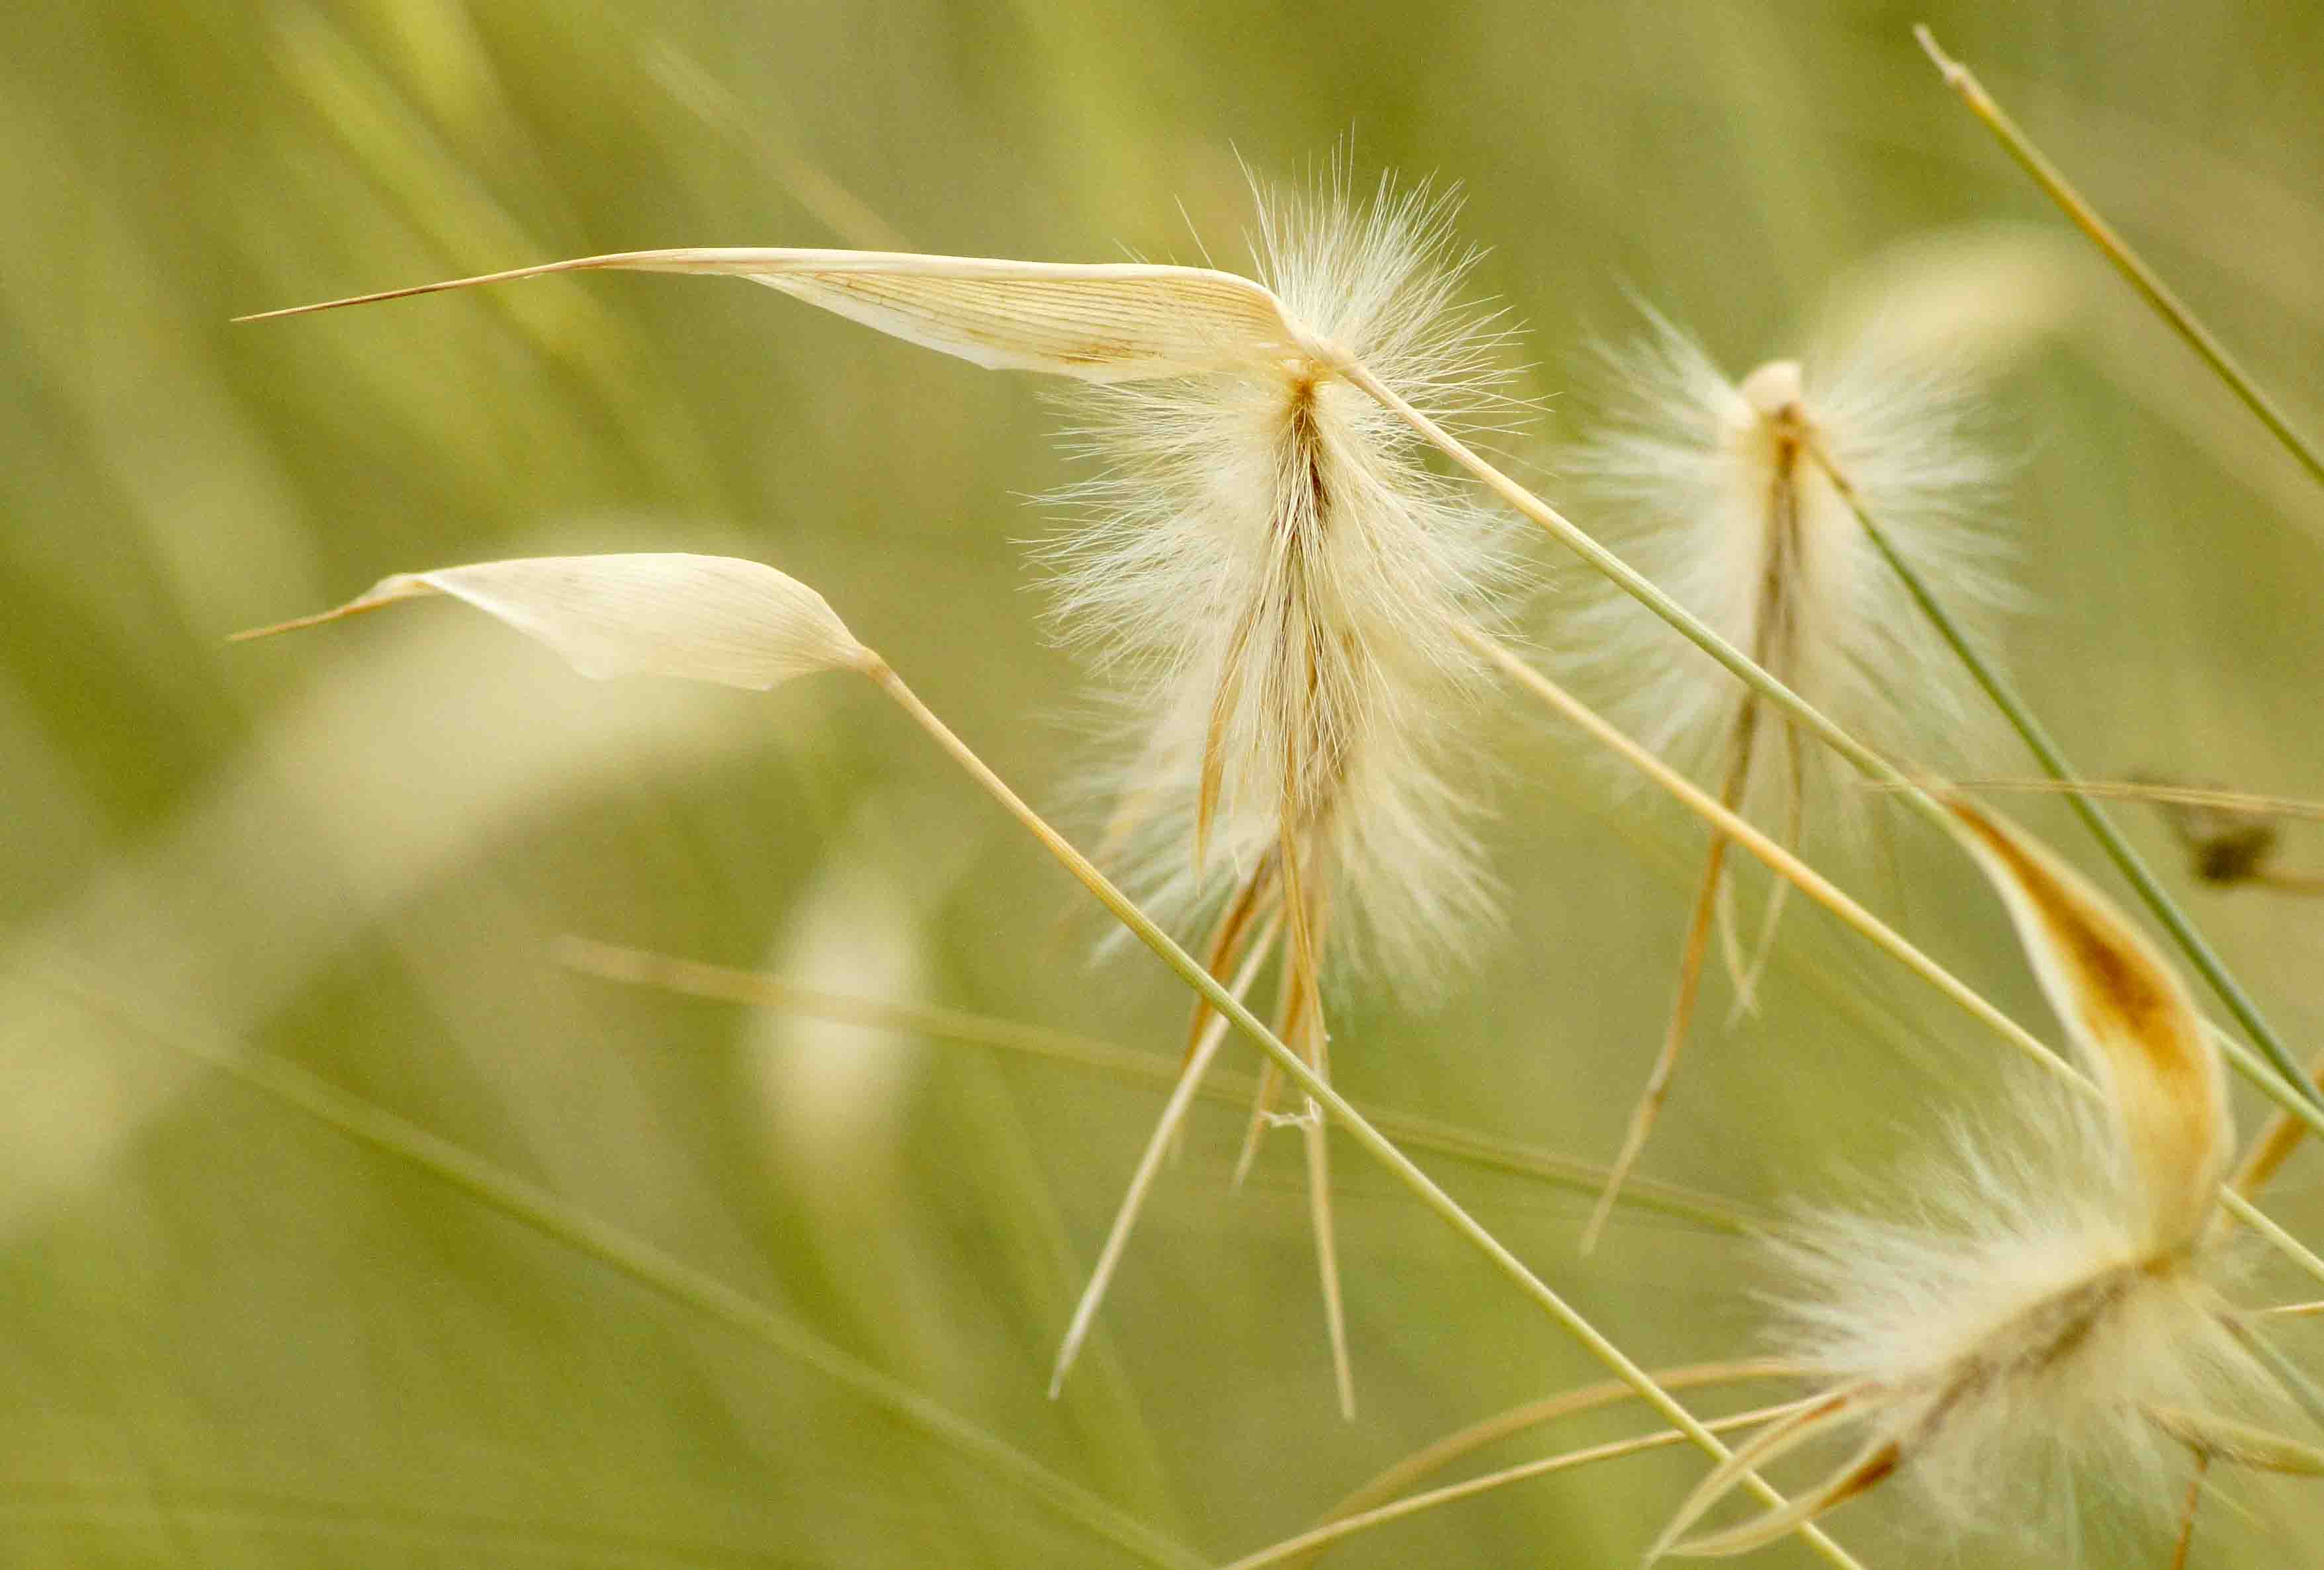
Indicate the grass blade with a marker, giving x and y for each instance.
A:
(2127, 262)
(2287, 1081)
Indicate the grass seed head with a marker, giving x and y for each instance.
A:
(1268, 569)
(2047, 1299)
(1713, 488)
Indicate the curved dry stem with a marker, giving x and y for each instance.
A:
(1435, 1457)
(1322, 1537)
(2171, 795)
(1805, 1421)
(1692, 955)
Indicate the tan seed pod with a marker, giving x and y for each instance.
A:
(704, 618)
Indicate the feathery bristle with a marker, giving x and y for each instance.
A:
(1269, 570)
(1719, 491)
(2016, 1328)
(1274, 581)
(1709, 486)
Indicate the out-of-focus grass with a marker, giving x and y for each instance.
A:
(232, 1339)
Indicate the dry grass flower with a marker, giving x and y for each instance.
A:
(1294, 616)
(2051, 1304)
(1269, 565)
(1270, 575)
(1719, 491)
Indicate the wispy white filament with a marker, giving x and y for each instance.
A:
(1268, 571)
(1709, 485)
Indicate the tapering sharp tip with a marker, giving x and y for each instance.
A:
(313, 305)
(355, 608)
(1069, 1349)
(1930, 47)
(572, 265)
(251, 635)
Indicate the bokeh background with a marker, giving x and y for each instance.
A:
(231, 1336)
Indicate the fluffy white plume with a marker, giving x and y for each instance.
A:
(1269, 571)
(2014, 1335)
(2045, 1306)
(1708, 485)
(1721, 491)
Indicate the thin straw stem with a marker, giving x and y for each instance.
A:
(1692, 954)
(1437, 1456)
(381, 1130)
(1820, 889)
(2268, 1227)
(1782, 861)
(2275, 1145)
(1375, 1143)
(2143, 277)
(1349, 1526)
(694, 978)
(1149, 1165)
(2176, 795)
(2118, 850)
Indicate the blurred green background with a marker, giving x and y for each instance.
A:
(229, 1336)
